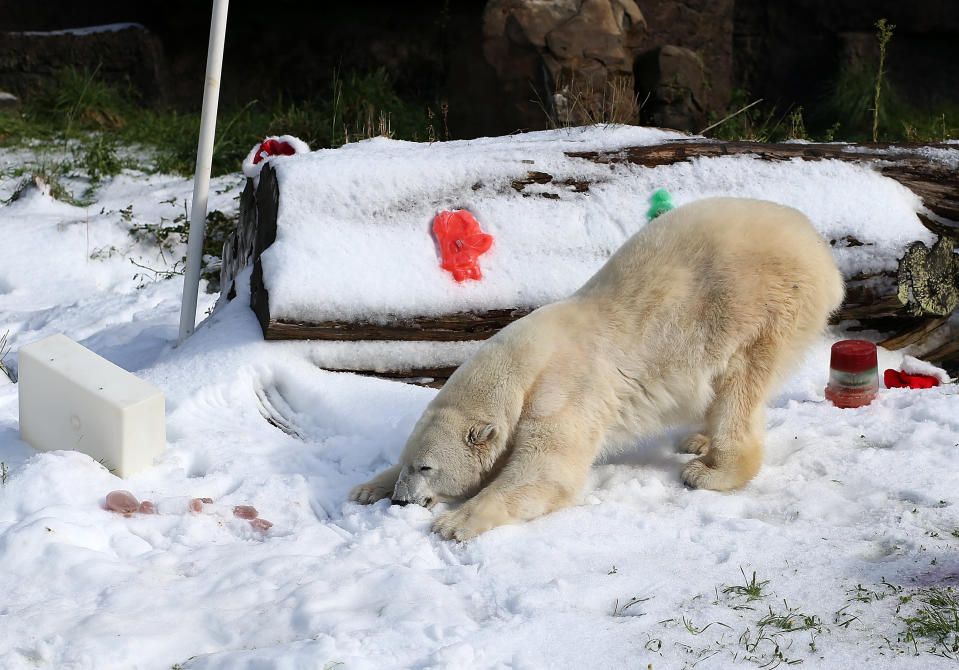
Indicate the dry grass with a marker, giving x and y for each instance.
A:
(580, 102)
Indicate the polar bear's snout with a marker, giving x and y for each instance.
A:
(401, 494)
(411, 489)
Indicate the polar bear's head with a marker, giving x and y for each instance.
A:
(446, 457)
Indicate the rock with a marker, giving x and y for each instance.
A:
(815, 40)
(9, 101)
(671, 82)
(127, 55)
(567, 55)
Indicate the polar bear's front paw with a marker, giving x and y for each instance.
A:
(466, 522)
(370, 492)
(697, 443)
(698, 475)
(381, 486)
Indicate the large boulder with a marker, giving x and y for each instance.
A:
(9, 101)
(671, 84)
(124, 54)
(560, 59)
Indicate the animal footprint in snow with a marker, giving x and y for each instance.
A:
(125, 503)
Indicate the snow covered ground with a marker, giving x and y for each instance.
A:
(850, 526)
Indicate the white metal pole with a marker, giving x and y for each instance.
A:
(204, 158)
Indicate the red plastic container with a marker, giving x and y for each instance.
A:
(853, 374)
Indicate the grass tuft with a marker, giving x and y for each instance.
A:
(936, 619)
(883, 35)
(98, 156)
(94, 117)
(791, 620)
(695, 630)
(752, 589)
(621, 610)
(4, 350)
(581, 102)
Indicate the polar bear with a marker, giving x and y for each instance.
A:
(693, 320)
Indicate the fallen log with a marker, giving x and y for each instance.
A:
(448, 328)
(907, 305)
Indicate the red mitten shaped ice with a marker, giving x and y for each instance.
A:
(272, 147)
(896, 379)
(284, 145)
(461, 243)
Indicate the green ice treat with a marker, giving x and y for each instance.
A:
(661, 202)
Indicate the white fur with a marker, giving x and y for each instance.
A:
(694, 319)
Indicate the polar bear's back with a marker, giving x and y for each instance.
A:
(726, 249)
(752, 231)
(706, 280)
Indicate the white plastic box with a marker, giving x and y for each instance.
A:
(70, 398)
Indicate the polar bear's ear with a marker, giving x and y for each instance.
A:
(480, 434)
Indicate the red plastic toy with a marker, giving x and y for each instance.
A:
(461, 243)
(273, 148)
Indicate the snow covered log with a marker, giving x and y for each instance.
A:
(924, 287)
(928, 170)
(341, 248)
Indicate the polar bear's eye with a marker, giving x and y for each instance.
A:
(425, 468)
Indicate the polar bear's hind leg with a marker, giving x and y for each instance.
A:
(734, 444)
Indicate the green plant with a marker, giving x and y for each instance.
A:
(790, 620)
(620, 611)
(883, 34)
(152, 275)
(862, 101)
(47, 181)
(4, 350)
(168, 235)
(797, 129)
(752, 589)
(695, 630)
(99, 157)
(79, 100)
(937, 617)
(750, 120)
(81, 110)
(830, 134)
